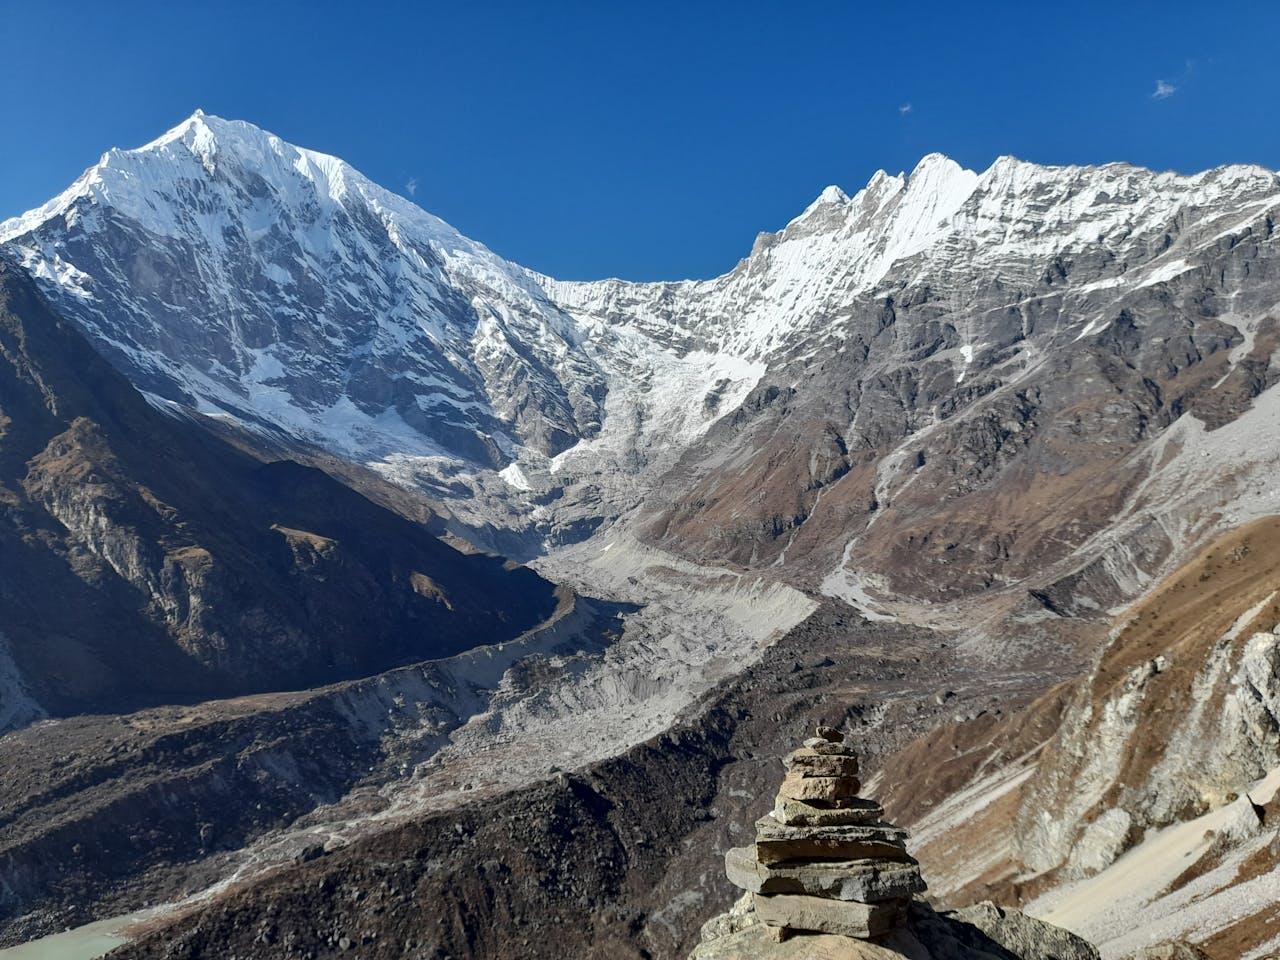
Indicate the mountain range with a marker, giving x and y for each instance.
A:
(264, 424)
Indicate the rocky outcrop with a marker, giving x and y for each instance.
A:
(1180, 713)
(147, 561)
(1133, 801)
(980, 932)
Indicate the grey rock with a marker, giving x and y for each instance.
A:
(776, 842)
(798, 813)
(807, 763)
(827, 748)
(738, 917)
(868, 881)
(797, 786)
(926, 935)
(1022, 936)
(844, 918)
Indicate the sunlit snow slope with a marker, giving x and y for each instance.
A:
(944, 318)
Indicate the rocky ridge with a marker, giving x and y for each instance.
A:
(149, 562)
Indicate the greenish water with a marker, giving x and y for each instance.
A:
(83, 943)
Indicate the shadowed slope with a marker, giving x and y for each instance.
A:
(146, 561)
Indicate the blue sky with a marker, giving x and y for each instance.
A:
(649, 141)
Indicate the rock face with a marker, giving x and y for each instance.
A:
(943, 341)
(850, 398)
(147, 561)
(823, 860)
(221, 267)
(1098, 786)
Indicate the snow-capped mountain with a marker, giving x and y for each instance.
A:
(884, 363)
(225, 269)
(1000, 404)
(1015, 215)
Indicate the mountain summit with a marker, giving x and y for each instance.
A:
(993, 407)
(931, 327)
(225, 269)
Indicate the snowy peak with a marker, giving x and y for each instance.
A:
(209, 150)
(1016, 215)
(226, 269)
(932, 192)
(223, 268)
(897, 214)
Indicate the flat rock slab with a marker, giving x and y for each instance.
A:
(810, 764)
(798, 813)
(844, 918)
(827, 748)
(797, 786)
(776, 841)
(868, 881)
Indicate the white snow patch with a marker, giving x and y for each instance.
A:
(515, 477)
(843, 584)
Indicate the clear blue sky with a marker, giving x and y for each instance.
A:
(640, 140)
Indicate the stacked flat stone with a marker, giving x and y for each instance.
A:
(824, 860)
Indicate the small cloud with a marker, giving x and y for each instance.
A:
(1164, 90)
(905, 109)
(412, 186)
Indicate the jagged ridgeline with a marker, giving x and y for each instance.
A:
(828, 878)
(985, 409)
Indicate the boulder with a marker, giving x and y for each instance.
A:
(926, 935)
(754, 944)
(1025, 937)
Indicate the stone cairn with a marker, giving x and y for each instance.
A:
(824, 860)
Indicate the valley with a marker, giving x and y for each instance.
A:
(367, 580)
